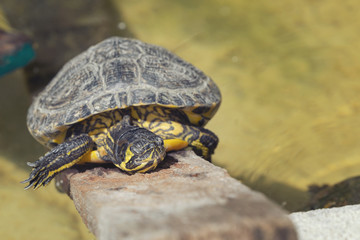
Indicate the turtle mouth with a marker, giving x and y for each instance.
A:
(148, 160)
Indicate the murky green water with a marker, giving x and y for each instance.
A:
(42, 214)
(289, 75)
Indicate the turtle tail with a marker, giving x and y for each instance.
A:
(58, 159)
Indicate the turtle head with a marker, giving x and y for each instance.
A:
(138, 150)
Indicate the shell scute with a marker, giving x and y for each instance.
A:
(76, 113)
(120, 73)
(103, 102)
(142, 95)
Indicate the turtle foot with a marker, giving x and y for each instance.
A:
(58, 159)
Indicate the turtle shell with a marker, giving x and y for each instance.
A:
(115, 74)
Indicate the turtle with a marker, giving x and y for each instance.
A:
(122, 101)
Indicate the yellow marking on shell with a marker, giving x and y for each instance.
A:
(178, 128)
(59, 138)
(94, 133)
(153, 125)
(134, 113)
(175, 144)
(105, 120)
(164, 128)
(194, 118)
(146, 109)
(117, 116)
(100, 123)
(151, 113)
(161, 111)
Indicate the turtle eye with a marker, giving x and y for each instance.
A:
(136, 148)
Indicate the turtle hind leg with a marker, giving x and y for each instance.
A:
(203, 141)
(57, 159)
(177, 136)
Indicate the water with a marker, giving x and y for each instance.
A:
(42, 214)
(288, 72)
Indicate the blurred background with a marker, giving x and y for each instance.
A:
(288, 72)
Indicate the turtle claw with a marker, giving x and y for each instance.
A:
(56, 160)
(29, 185)
(40, 176)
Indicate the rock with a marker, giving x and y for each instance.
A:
(346, 192)
(340, 223)
(185, 198)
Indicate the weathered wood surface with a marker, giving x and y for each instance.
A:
(185, 198)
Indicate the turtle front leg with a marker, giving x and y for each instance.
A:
(178, 136)
(58, 159)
